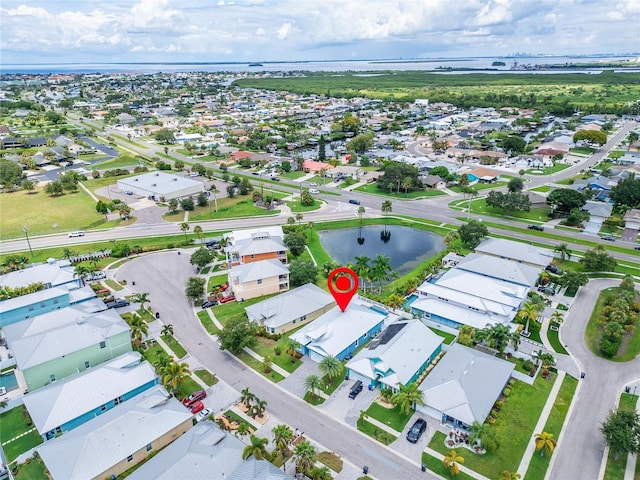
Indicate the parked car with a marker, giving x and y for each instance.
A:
(230, 298)
(553, 269)
(609, 238)
(194, 397)
(314, 191)
(96, 276)
(203, 414)
(536, 227)
(313, 184)
(120, 302)
(637, 247)
(209, 303)
(76, 234)
(196, 407)
(356, 388)
(355, 201)
(546, 289)
(128, 192)
(416, 430)
(103, 291)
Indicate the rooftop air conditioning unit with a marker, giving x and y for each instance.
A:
(175, 179)
(153, 184)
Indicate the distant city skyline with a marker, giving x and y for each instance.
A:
(120, 31)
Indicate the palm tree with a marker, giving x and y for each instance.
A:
(529, 312)
(199, 232)
(139, 328)
(174, 374)
(292, 347)
(311, 383)
(451, 238)
(267, 363)
(81, 272)
(484, 433)
(299, 217)
(184, 227)
(498, 336)
(451, 461)
(243, 430)
(564, 251)
(162, 362)
(406, 397)
(257, 448)
(282, 436)
(305, 456)
(407, 183)
(362, 269)
(291, 220)
(545, 443)
(381, 269)
(67, 253)
(167, 330)
(320, 473)
(259, 408)
(141, 298)
(507, 475)
(557, 317)
(247, 397)
(386, 209)
(330, 366)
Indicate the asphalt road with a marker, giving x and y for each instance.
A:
(164, 275)
(582, 445)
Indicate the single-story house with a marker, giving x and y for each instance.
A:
(255, 279)
(632, 219)
(339, 333)
(311, 166)
(118, 439)
(345, 171)
(599, 212)
(63, 342)
(463, 386)
(516, 251)
(161, 186)
(482, 175)
(67, 404)
(398, 355)
(291, 309)
(51, 274)
(433, 182)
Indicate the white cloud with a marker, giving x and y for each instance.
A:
(260, 32)
(284, 31)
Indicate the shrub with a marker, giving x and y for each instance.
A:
(277, 350)
(609, 348)
(506, 392)
(170, 245)
(527, 365)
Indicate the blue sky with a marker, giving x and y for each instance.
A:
(102, 31)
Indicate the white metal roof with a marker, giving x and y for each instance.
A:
(49, 274)
(249, 272)
(159, 182)
(62, 401)
(458, 314)
(94, 447)
(517, 251)
(500, 268)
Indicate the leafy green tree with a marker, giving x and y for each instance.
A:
(164, 135)
(361, 143)
(54, 189)
(10, 173)
(187, 204)
(509, 202)
(598, 260)
(472, 233)
(592, 136)
(407, 396)
(498, 336)
(621, 431)
(515, 185)
(202, 257)
(627, 192)
(302, 272)
(195, 289)
(573, 280)
(173, 205)
(442, 172)
(257, 448)
(516, 145)
(202, 199)
(28, 185)
(563, 200)
(322, 149)
(295, 242)
(238, 333)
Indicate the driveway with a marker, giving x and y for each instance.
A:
(163, 275)
(596, 394)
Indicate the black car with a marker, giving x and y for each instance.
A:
(546, 289)
(355, 201)
(536, 227)
(117, 303)
(416, 430)
(637, 247)
(209, 303)
(553, 269)
(355, 389)
(609, 238)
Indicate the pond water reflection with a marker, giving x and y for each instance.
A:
(406, 247)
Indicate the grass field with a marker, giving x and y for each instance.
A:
(236, 207)
(389, 416)
(15, 423)
(42, 214)
(206, 376)
(175, 346)
(374, 190)
(33, 470)
(207, 323)
(374, 432)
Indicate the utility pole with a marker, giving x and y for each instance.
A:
(24, 228)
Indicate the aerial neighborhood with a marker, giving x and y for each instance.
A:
(166, 300)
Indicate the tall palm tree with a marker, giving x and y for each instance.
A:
(330, 366)
(381, 269)
(174, 374)
(545, 443)
(162, 362)
(299, 217)
(259, 408)
(199, 232)
(282, 436)
(67, 253)
(305, 456)
(498, 336)
(246, 397)
(257, 448)
(406, 397)
(139, 327)
(81, 272)
(386, 209)
(167, 330)
(451, 461)
(529, 312)
(141, 298)
(184, 227)
(507, 475)
(292, 347)
(407, 183)
(312, 383)
(564, 251)
(484, 433)
(362, 268)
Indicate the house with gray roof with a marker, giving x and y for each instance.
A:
(61, 343)
(291, 309)
(161, 186)
(398, 355)
(339, 333)
(598, 213)
(463, 386)
(255, 279)
(516, 251)
(118, 439)
(69, 403)
(51, 274)
(500, 269)
(253, 245)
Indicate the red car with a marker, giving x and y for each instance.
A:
(196, 407)
(194, 397)
(227, 299)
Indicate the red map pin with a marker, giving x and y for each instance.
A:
(343, 285)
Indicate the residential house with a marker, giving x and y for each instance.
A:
(311, 166)
(240, 155)
(340, 333)
(632, 219)
(258, 278)
(433, 182)
(118, 439)
(61, 343)
(291, 309)
(345, 171)
(516, 251)
(253, 245)
(481, 175)
(599, 212)
(397, 356)
(69, 403)
(51, 274)
(500, 269)
(463, 386)
(33, 304)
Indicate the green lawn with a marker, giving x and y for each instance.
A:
(216, 280)
(541, 189)
(207, 323)
(297, 207)
(238, 206)
(14, 422)
(513, 430)
(175, 346)
(374, 190)
(558, 167)
(265, 346)
(480, 207)
(539, 464)
(206, 376)
(436, 466)
(187, 387)
(257, 366)
(329, 386)
(374, 432)
(554, 340)
(32, 469)
(233, 415)
(293, 175)
(112, 284)
(121, 161)
(615, 469)
(42, 214)
(582, 150)
(389, 416)
(331, 460)
(481, 186)
(448, 337)
(310, 399)
(152, 354)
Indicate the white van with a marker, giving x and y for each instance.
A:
(314, 191)
(76, 234)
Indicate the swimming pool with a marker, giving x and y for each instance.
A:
(9, 381)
